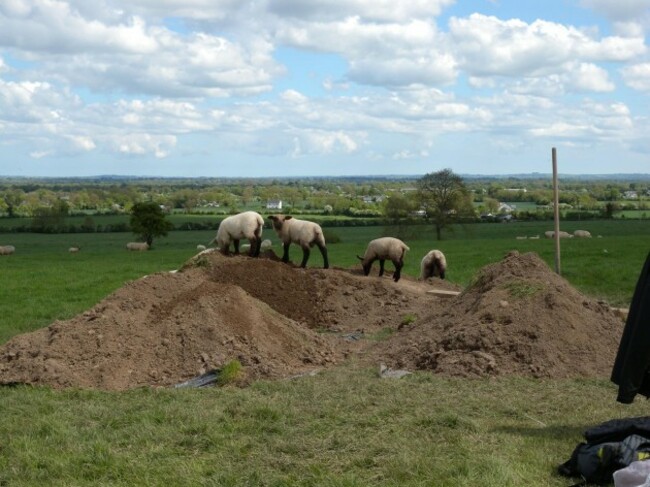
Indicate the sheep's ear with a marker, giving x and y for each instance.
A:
(360, 258)
(288, 217)
(273, 217)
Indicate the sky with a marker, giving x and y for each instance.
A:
(272, 88)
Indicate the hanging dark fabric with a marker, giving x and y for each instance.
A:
(631, 370)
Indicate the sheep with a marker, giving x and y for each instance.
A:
(234, 228)
(384, 248)
(582, 234)
(7, 249)
(302, 232)
(266, 244)
(551, 234)
(137, 246)
(522, 238)
(200, 247)
(433, 264)
(73, 250)
(534, 237)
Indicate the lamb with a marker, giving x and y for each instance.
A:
(139, 246)
(7, 249)
(582, 234)
(433, 264)
(234, 228)
(384, 248)
(302, 232)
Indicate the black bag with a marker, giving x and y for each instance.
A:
(596, 462)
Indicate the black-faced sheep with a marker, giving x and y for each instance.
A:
(433, 264)
(381, 249)
(234, 228)
(302, 232)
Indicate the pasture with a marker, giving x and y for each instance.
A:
(343, 427)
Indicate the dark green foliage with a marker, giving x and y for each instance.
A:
(148, 221)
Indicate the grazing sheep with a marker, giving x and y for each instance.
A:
(582, 234)
(433, 264)
(234, 228)
(200, 247)
(534, 237)
(266, 244)
(301, 232)
(382, 249)
(551, 234)
(73, 250)
(137, 246)
(7, 249)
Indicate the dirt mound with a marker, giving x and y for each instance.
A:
(517, 318)
(275, 319)
(279, 320)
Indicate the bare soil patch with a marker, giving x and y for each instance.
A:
(279, 320)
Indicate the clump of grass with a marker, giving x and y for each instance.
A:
(522, 289)
(229, 373)
(408, 319)
(383, 334)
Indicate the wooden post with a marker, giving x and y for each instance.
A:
(556, 212)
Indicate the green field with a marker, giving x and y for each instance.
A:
(344, 427)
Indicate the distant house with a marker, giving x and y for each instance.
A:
(630, 195)
(506, 208)
(274, 205)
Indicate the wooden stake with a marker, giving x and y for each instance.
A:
(556, 212)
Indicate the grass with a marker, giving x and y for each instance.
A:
(343, 427)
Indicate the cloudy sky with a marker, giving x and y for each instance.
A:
(323, 87)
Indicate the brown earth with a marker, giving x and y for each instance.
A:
(277, 320)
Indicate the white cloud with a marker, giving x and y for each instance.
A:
(312, 141)
(390, 54)
(488, 46)
(619, 9)
(374, 10)
(637, 76)
(143, 144)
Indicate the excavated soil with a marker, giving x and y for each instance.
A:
(277, 320)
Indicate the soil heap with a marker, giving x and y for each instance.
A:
(517, 318)
(278, 320)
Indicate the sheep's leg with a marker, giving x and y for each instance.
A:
(285, 255)
(255, 249)
(398, 270)
(305, 256)
(257, 246)
(323, 251)
(236, 245)
(381, 267)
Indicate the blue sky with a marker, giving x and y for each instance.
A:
(323, 87)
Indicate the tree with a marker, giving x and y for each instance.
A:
(398, 210)
(444, 197)
(148, 221)
(13, 198)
